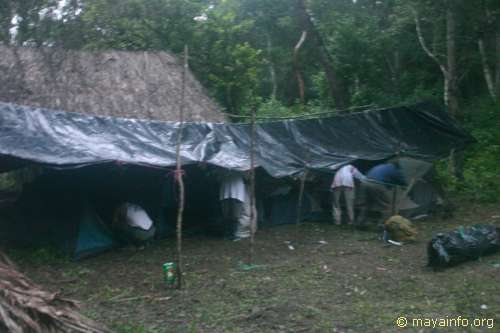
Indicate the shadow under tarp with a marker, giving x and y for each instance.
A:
(52, 216)
(281, 207)
(73, 209)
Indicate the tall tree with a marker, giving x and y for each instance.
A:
(448, 68)
(487, 24)
(336, 84)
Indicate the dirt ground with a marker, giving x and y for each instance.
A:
(336, 279)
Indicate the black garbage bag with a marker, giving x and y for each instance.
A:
(463, 244)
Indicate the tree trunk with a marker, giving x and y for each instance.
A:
(497, 61)
(456, 158)
(488, 33)
(486, 69)
(229, 99)
(432, 55)
(394, 66)
(451, 54)
(272, 70)
(296, 64)
(449, 71)
(5, 21)
(336, 84)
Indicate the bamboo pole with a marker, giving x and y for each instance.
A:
(253, 209)
(178, 173)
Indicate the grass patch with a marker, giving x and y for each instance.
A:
(351, 284)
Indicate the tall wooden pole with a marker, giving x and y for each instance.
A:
(299, 204)
(307, 156)
(178, 171)
(253, 209)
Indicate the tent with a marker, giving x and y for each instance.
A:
(87, 236)
(423, 194)
(108, 160)
(419, 198)
(47, 214)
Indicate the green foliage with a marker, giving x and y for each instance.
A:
(482, 168)
(133, 329)
(8, 182)
(44, 255)
(242, 51)
(274, 108)
(482, 160)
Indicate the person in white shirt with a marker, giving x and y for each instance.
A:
(234, 195)
(133, 223)
(343, 186)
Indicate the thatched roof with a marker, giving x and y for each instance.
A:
(114, 83)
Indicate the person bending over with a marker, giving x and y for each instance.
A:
(343, 186)
(133, 224)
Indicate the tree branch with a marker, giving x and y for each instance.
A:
(421, 40)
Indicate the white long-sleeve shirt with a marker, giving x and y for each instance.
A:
(233, 187)
(345, 176)
(136, 216)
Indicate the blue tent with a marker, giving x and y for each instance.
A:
(87, 235)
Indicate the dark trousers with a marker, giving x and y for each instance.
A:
(231, 212)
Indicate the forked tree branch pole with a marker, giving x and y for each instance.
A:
(178, 172)
(303, 179)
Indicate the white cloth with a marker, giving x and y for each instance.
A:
(137, 217)
(244, 227)
(232, 187)
(345, 176)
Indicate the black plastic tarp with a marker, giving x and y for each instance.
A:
(66, 139)
(463, 244)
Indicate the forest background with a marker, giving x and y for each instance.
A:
(290, 57)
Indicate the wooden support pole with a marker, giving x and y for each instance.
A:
(179, 173)
(393, 201)
(307, 157)
(253, 209)
(299, 204)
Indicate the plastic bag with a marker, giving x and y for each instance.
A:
(463, 244)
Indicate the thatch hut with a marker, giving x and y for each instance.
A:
(112, 83)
